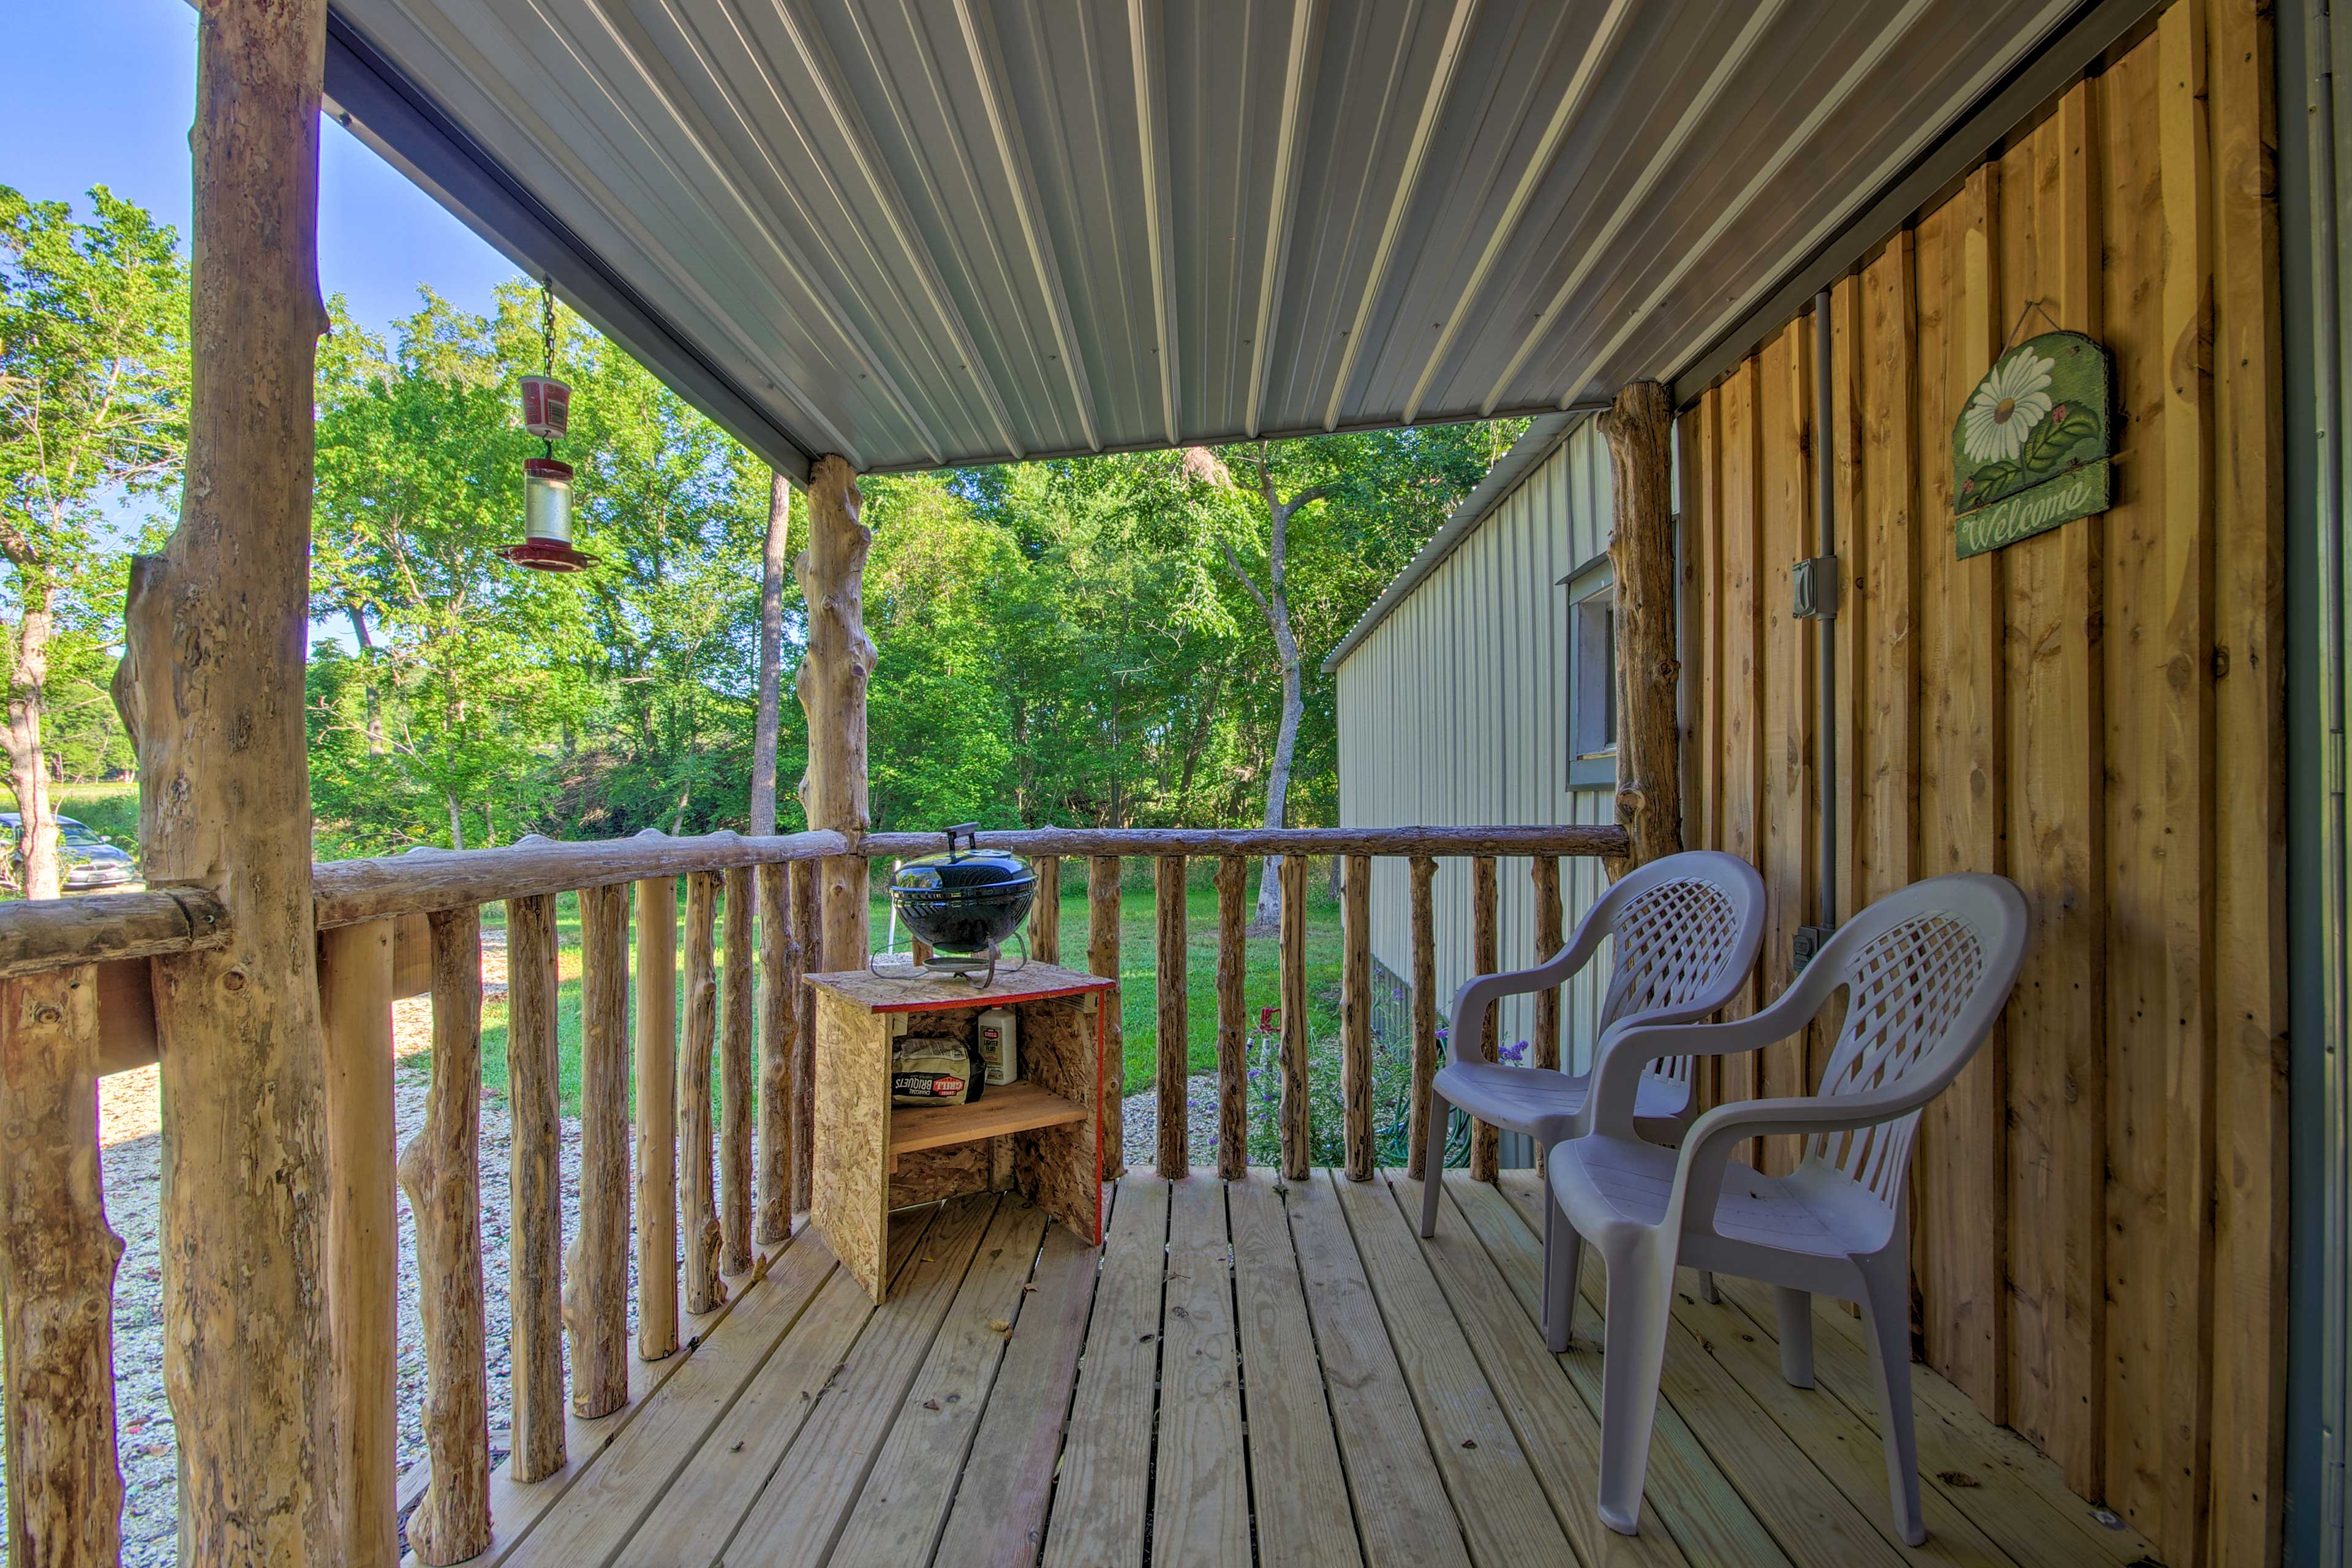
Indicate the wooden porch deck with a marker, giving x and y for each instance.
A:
(1256, 1371)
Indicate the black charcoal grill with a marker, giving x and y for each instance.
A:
(964, 904)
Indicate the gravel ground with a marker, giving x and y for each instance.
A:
(130, 1156)
(1143, 1123)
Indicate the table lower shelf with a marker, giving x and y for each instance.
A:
(1016, 1107)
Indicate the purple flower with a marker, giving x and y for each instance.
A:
(1514, 1055)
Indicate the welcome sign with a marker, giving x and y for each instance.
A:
(2033, 444)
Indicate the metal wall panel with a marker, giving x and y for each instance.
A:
(1454, 711)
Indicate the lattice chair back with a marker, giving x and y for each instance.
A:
(1686, 929)
(1926, 971)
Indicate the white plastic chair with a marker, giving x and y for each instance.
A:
(1687, 927)
(1927, 970)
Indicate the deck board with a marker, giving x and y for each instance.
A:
(1502, 1505)
(800, 1513)
(1259, 1374)
(902, 1509)
(1696, 1503)
(1099, 1496)
(1404, 1517)
(1200, 1510)
(693, 1517)
(1292, 1450)
(999, 1517)
(1557, 1432)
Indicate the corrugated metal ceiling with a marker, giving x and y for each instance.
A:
(918, 232)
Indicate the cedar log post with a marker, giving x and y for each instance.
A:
(1639, 429)
(211, 693)
(832, 686)
(57, 1277)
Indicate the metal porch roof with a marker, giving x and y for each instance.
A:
(920, 232)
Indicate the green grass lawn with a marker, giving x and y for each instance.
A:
(1139, 981)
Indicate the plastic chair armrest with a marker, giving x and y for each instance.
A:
(1481, 992)
(1699, 1170)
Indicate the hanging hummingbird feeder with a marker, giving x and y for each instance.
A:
(547, 480)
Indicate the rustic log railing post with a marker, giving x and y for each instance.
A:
(1102, 959)
(805, 925)
(441, 1172)
(1544, 870)
(735, 1076)
(780, 966)
(698, 1196)
(1233, 1019)
(211, 693)
(1172, 1040)
(57, 1277)
(535, 1244)
(1485, 1140)
(657, 1070)
(355, 992)
(595, 1270)
(1356, 1015)
(1420, 1161)
(832, 686)
(1045, 915)
(1295, 1153)
(1639, 429)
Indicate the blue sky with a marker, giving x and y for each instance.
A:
(103, 91)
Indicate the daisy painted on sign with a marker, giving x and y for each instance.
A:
(2032, 446)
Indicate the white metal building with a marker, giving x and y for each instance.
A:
(1463, 699)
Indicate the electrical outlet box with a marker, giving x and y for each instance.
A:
(1809, 943)
(1816, 581)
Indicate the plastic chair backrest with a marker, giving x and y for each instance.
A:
(1686, 929)
(1925, 969)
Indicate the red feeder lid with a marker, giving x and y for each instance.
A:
(548, 555)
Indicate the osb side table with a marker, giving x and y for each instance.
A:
(1040, 1136)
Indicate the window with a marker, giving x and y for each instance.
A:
(1592, 675)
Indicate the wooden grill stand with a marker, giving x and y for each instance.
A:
(1042, 1136)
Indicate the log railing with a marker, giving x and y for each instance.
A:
(717, 1180)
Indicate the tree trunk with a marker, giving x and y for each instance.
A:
(1286, 746)
(833, 677)
(456, 823)
(774, 564)
(38, 835)
(210, 690)
(1639, 429)
(366, 646)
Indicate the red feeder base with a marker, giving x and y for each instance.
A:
(548, 555)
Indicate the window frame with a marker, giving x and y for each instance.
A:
(1592, 738)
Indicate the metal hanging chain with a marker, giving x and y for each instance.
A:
(547, 321)
(547, 336)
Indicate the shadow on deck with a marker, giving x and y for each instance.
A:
(1254, 1371)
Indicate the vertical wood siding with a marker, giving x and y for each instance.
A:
(1454, 711)
(2098, 1202)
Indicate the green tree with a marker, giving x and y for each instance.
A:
(93, 405)
(1327, 520)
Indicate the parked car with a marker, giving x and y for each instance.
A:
(86, 863)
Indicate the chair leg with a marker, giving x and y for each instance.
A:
(1795, 1308)
(1432, 1163)
(1640, 1296)
(1563, 1260)
(1706, 1290)
(1886, 1310)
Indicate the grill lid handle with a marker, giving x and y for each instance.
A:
(969, 832)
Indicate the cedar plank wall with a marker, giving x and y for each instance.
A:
(2098, 1204)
